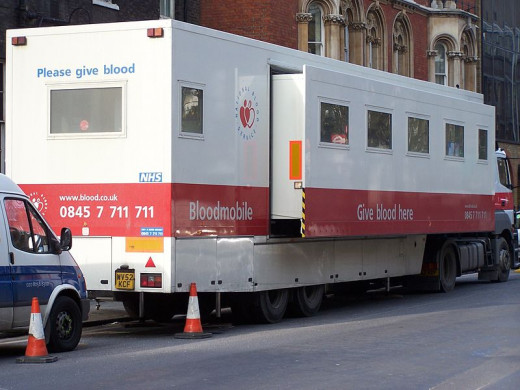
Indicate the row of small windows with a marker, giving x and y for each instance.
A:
(334, 125)
(93, 117)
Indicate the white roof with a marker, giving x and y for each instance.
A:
(9, 186)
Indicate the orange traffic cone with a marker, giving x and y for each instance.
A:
(193, 327)
(36, 351)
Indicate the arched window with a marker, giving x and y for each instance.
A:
(346, 35)
(441, 68)
(316, 30)
(375, 40)
(352, 31)
(402, 46)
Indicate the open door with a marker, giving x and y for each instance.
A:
(287, 155)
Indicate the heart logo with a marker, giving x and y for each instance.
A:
(38, 204)
(247, 114)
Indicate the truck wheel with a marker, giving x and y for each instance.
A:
(447, 268)
(307, 300)
(65, 325)
(504, 260)
(271, 305)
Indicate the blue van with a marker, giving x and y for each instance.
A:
(34, 263)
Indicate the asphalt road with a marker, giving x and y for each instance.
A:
(467, 339)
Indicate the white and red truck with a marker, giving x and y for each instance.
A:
(265, 175)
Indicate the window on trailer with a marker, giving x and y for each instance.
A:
(418, 135)
(379, 130)
(454, 140)
(86, 110)
(334, 123)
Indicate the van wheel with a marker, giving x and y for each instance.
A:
(64, 324)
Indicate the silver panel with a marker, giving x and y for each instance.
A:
(195, 262)
(234, 264)
(282, 265)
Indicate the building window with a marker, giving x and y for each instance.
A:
(316, 30)
(402, 46)
(2, 88)
(379, 130)
(106, 3)
(441, 70)
(418, 135)
(334, 123)
(454, 140)
(482, 145)
(167, 9)
(374, 41)
(192, 110)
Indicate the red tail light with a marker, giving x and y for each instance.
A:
(151, 280)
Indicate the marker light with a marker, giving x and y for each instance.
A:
(19, 41)
(155, 32)
(151, 280)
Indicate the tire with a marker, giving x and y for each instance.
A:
(307, 300)
(447, 268)
(65, 325)
(261, 307)
(504, 260)
(272, 305)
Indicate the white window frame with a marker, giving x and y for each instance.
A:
(464, 140)
(479, 160)
(163, 4)
(331, 145)
(426, 118)
(119, 84)
(445, 74)
(320, 43)
(385, 111)
(186, 134)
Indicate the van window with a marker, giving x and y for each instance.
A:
(27, 230)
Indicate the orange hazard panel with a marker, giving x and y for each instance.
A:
(145, 244)
(295, 160)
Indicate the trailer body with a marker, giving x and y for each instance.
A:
(265, 169)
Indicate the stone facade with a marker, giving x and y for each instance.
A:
(399, 36)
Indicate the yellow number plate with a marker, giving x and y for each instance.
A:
(125, 279)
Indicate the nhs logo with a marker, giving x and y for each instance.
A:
(150, 177)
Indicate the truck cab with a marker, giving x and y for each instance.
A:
(35, 263)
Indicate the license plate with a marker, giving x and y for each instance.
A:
(125, 279)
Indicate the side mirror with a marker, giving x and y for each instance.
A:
(65, 239)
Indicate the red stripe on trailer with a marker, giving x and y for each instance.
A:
(333, 213)
(146, 209)
(208, 210)
(112, 209)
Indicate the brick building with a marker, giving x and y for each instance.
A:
(435, 40)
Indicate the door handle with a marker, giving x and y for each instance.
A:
(11, 257)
